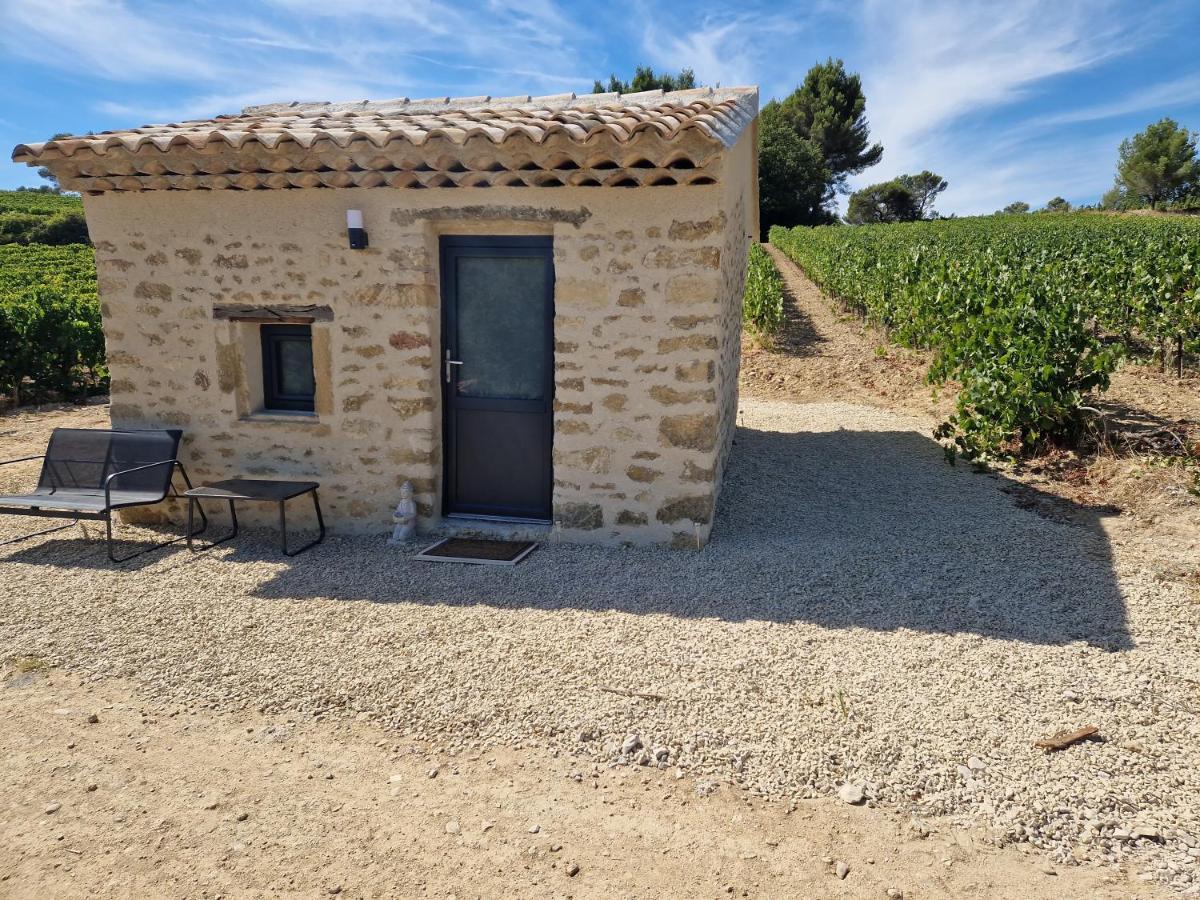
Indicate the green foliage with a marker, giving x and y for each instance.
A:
(903, 199)
(66, 227)
(1158, 165)
(889, 201)
(793, 181)
(1018, 208)
(645, 79)
(1116, 199)
(830, 109)
(1188, 202)
(50, 334)
(1026, 313)
(1057, 205)
(15, 227)
(809, 143)
(925, 188)
(45, 173)
(41, 189)
(762, 306)
(33, 217)
(38, 201)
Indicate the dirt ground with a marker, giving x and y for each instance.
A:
(1150, 417)
(824, 354)
(154, 802)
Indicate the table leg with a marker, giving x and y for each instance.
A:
(320, 518)
(191, 518)
(211, 544)
(320, 525)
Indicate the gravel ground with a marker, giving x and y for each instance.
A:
(864, 614)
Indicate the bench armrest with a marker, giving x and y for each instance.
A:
(108, 480)
(22, 459)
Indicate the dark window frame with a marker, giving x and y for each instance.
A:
(274, 400)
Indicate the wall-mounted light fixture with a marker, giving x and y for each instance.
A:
(354, 228)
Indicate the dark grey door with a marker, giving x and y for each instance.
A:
(497, 370)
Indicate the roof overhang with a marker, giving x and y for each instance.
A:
(614, 140)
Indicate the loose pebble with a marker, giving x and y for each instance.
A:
(851, 793)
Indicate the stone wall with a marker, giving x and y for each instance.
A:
(644, 337)
(741, 199)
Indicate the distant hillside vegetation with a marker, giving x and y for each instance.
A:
(34, 217)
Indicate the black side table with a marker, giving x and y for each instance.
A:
(235, 489)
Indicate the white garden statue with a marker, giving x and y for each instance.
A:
(405, 516)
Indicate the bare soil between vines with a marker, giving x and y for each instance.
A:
(826, 352)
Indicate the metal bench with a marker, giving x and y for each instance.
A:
(87, 474)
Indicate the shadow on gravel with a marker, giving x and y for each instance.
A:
(80, 548)
(798, 336)
(846, 529)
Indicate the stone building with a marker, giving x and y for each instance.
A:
(368, 293)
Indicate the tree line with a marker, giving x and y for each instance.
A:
(815, 138)
(1158, 169)
(809, 144)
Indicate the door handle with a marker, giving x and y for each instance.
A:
(450, 362)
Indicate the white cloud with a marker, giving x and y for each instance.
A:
(533, 41)
(935, 61)
(987, 181)
(938, 74)
(226, 58)
(738, 49)
(944, 79)
(100, 37)
(1167, 95)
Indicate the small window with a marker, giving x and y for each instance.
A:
(288, 383)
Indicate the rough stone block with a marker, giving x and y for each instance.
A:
(408, 340)
(581, 409)
(694, 231)
(697, 508)
(698, 370)
(631, 297)
(642, 474)
(581, 293)
(688, 342)
(668, 396)
(693, 290)
(675, 258)
(584, 516)
(692, 432)
(615, 402)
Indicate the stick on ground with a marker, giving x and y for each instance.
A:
(626, 693)
(1065, 739)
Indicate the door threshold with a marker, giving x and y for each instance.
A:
(514, 520)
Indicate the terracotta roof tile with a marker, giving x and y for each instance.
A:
(720, 114)
(652, 138)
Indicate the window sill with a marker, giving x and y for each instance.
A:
(294, 417)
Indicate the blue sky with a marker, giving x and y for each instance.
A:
(1012, 100)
